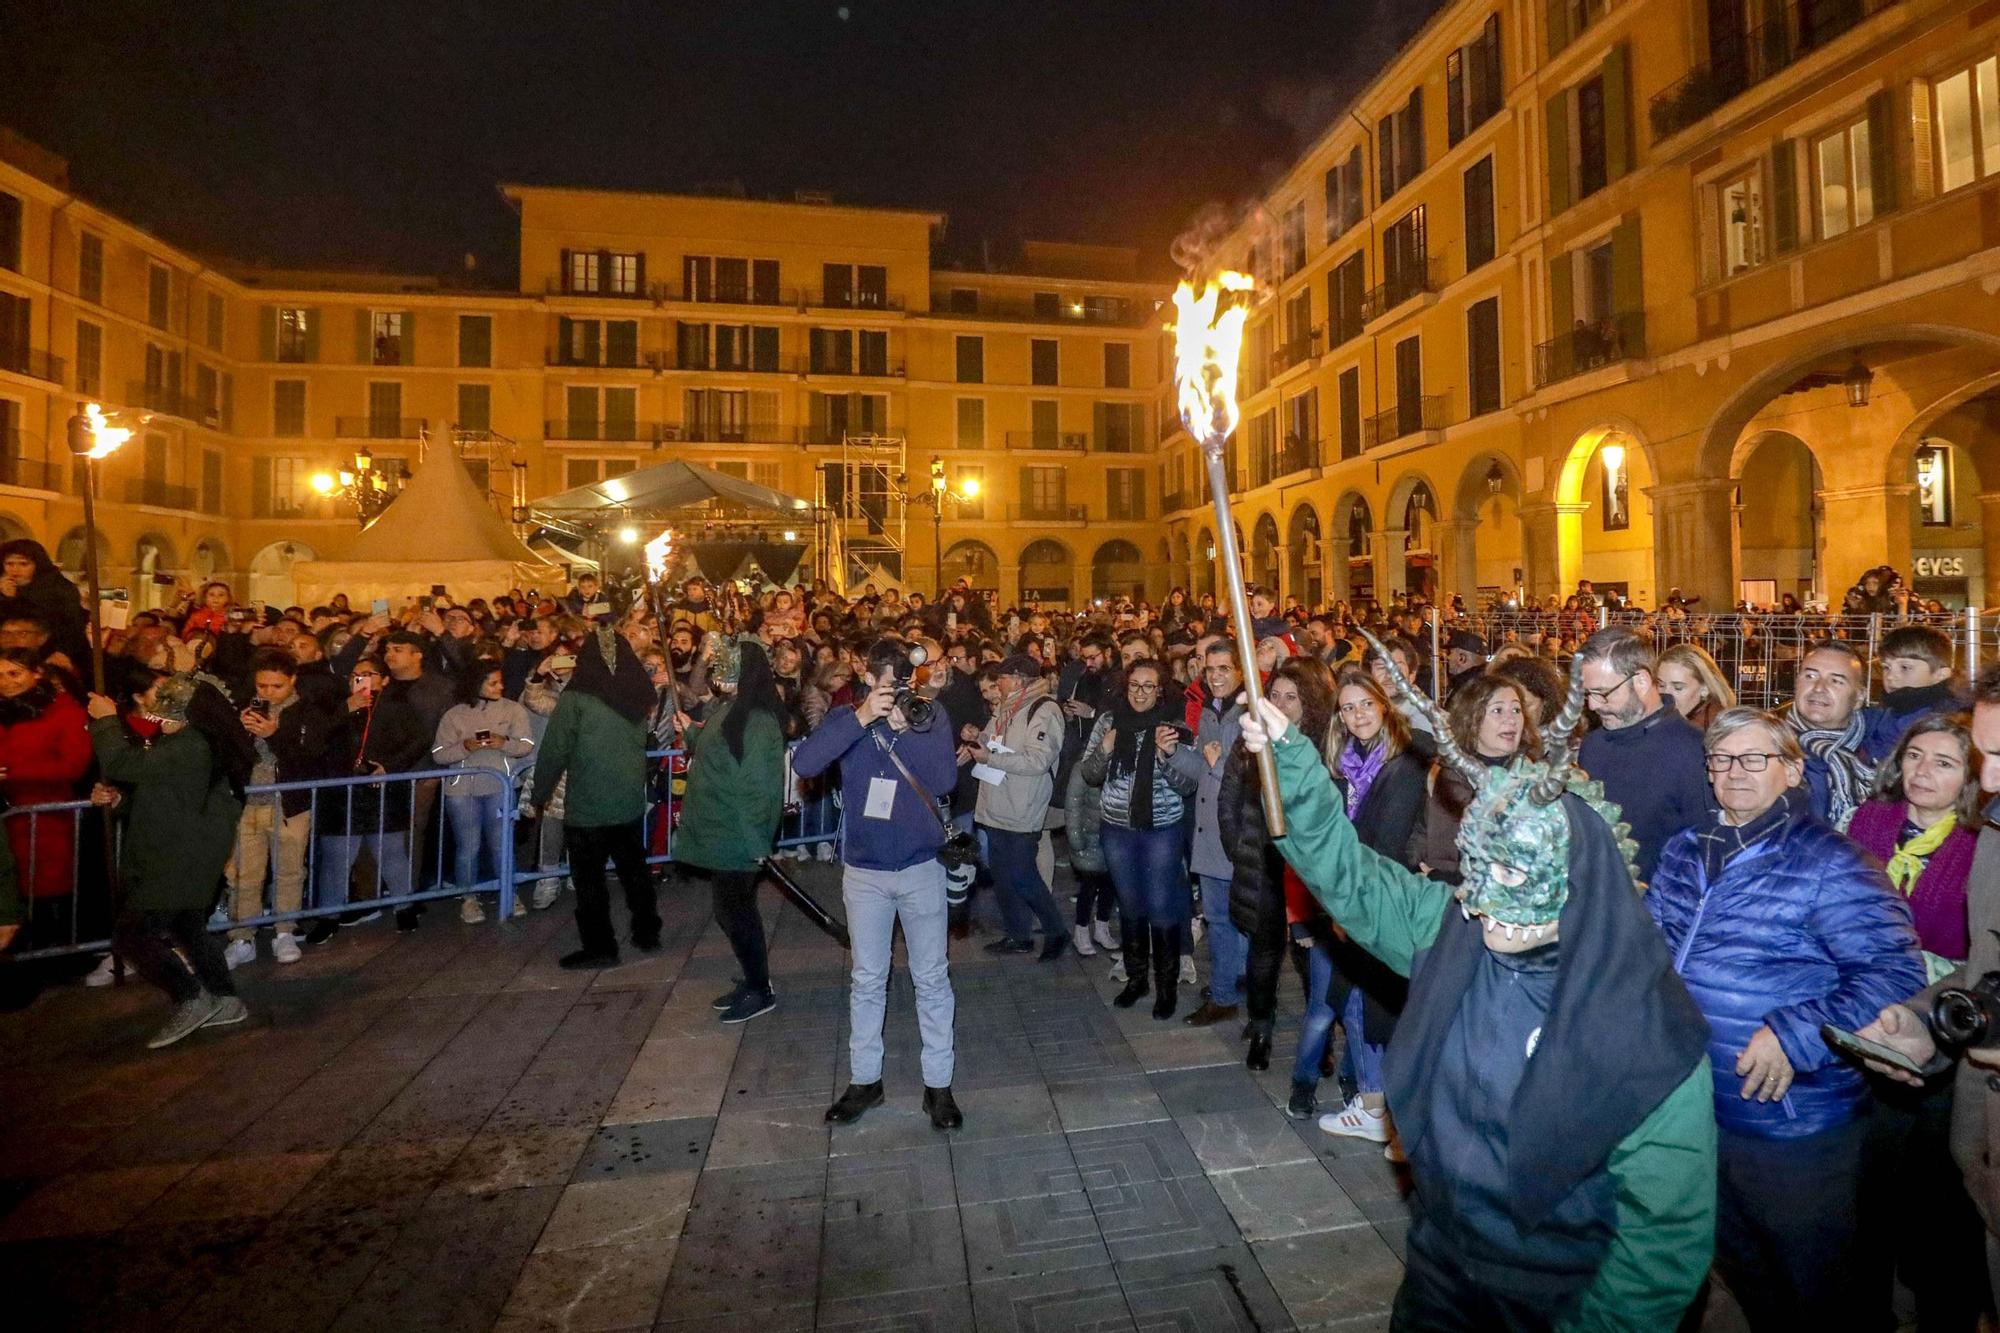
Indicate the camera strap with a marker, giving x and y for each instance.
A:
(930, 802)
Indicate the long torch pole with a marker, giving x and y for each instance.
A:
(1231, 559)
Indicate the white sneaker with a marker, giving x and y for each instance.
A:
(520, 906)
(101, 975)
(284, 948)
(546, 892)
(824, 851)
(1355, 1121)
(469, 910)
(1101, 932)
(1081, 938)
(240, 952)
(1197, 927)
(1118, 971)
(1188, 977)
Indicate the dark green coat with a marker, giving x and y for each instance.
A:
(605, 757)
(731, 809)
(180, 817)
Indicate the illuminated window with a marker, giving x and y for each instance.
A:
(1844, 187)
(1968, 124)
(1742, 222)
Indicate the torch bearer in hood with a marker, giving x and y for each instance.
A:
(1208, 338)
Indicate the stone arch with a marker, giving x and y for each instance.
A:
(1118, 570)
(13, 529)
(1305, 557)
(1779, 541)
(1603, 517)
(1047, 568)
(1352, 534)
(69, 552)
(973, 560)
(1262, 562)
(152, 554)
(271, 580)
(1202, 567)
(209, 559)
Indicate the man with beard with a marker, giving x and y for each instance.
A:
(1827, 715)
(1646, 754)
(1464, 659)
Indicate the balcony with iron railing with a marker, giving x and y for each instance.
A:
(1175, 501)
(31, 361)
(855, 368)
(562, 287)
(789, 365)
(160, 494)
(1295, 456)
(610, 431)
(1430, 412)
(775, 297)
(166, 400)
(1030, 511)
(1293, 353)
(22, 463)
(742, 432)
(378, 428)
(1740, 63)
(1115, 315)
(1419, 278)
(1055, 441)
(602, 357)
(1589, 346)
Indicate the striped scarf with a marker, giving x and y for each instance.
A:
(1848, 773)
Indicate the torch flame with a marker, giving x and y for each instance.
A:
(658, 551)
(105, 437)
(1208, 338)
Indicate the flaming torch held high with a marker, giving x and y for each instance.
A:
(1208, 339)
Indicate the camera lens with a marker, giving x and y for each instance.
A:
(1960, 1018)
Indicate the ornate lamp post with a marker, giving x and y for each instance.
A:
(93, 436)
(369, 488)
(935, 497)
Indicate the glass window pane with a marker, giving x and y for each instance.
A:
(1864, 172)
(1988, 72)
(1835, 203)
(1955, 148)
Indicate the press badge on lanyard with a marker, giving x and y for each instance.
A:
(881, 798)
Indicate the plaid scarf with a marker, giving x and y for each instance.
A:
(1849, 775)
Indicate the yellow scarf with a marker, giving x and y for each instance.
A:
(1908, 862)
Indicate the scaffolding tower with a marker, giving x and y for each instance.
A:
(862, 510)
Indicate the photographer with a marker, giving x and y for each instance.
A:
(1908, 1028)
(889, 847)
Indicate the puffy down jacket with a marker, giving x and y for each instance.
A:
(1798, 930)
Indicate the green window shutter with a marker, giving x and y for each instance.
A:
(590, 343)
(1557, 12)
(267, 333)
(1562, 296)
(260, 487)
(1628, 294)
(1784, 196)
(229, 402)
(312, 334)
(563, 279)
(1558, 151)
(409, 349)
(622, 342)
(1617, 72)
(1882, 151)
(562, 339)
(364, 350)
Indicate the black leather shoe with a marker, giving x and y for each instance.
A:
(943, 1111)
(1135, 990)
(858, 1098)
(1008, 944)
(646, 943)
(1210, 1014)
(322, 930)
(1052, 948)
(583, 960)
(407, 918)
(1259, 1055)
(1304, 1104)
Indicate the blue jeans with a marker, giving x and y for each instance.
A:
(1011, 858)
(1150, 875)
(876, 900)
(1366, 1057)
(1317, 1026)
(475, 821)
(1228, 947)
(336, 865)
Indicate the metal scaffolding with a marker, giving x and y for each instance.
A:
(862, 514)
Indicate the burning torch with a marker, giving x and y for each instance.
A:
(1208, 338)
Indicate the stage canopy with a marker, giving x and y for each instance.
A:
(439, 530)
(667, 486)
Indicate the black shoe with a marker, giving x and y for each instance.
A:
(1166, 971)
(1052, 948)
(407, 918)
(1135, 990)
(1008, 944)
(583, 960)
(1259, 1055)
(750, 1004)
(1304, 1104)
(322, 930)
(858, 1098)
(728, 997)
(1210, 1014)
(646, 943)
(943, 1111)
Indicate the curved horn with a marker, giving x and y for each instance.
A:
(1413, 700)
(1558, 736)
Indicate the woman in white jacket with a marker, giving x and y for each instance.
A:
(485, 733)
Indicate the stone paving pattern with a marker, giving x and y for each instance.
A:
(446, 1131)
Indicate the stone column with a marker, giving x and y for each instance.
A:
(1695, 540)
(1989, 542)
(1458, 562)
(1866, 526)
(1387, 549)
(1281, 559)
(1545, 569)
(1333, 556)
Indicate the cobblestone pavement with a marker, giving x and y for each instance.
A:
(445, 1131)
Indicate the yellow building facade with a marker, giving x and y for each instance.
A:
(1664, 294)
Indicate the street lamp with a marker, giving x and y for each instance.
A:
(93, 436)
(935, 497)
(370, 489)
(1859, 381)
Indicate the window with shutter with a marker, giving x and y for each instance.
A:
(1350, 412)
(971, 432)
(621, 413)
(475, 407)
(971, 359)
(872, 349)
(475, 340)
(89, 358)
(1784, 197)
(764, 282)
(1043, 357)
(1479, 224)
(871, 286)
(159, 292)
(89, 265)
(581, 423)
(691, 345)
(1482, 341)
(732, 280)
(621, 342)
(288, 408)
(763, 348)
(1117, 365)
(697, 278)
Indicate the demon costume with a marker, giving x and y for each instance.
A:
(1554, 1103)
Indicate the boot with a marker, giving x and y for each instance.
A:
(1166, 946)
(1134, 961)
(1259, 1056)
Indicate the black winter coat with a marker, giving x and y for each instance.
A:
(391, 733)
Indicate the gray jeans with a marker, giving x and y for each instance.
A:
(875, 899)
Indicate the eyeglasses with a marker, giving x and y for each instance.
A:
(1604, 696)
(1142, 687)
(1719, 764)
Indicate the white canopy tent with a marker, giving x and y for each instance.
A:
(439, 530)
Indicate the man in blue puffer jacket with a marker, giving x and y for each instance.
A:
(1777, 924)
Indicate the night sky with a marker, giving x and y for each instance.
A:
(359, 133)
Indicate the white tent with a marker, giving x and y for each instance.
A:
(439, 530)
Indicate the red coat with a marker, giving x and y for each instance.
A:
(45, 758)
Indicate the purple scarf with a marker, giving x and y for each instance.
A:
(1359, 766)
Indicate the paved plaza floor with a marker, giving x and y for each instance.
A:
(446, 1131)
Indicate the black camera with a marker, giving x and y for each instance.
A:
(918, 711)
(1967, 1016)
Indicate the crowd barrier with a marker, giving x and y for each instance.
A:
(367, 844)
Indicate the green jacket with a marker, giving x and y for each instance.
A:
(605, 757)
(730, 812)
(1664, 1170)
(180, 817)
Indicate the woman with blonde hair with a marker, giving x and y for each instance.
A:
(1690, 678)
